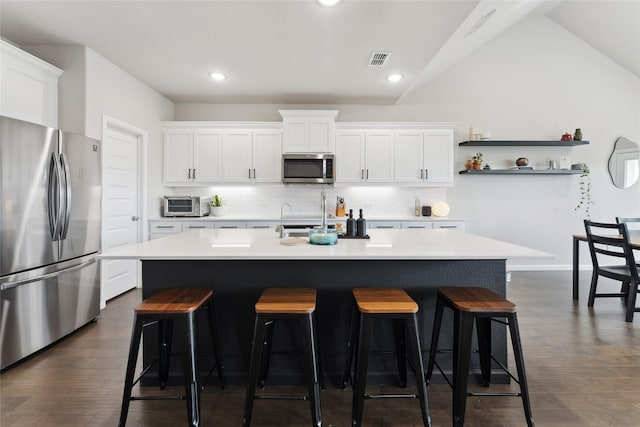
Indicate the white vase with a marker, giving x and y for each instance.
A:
(217, 210)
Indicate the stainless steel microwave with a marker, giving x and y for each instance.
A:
(186, 206)
(308, 168)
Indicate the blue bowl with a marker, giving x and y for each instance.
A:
(318, 236)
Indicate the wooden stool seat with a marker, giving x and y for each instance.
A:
(477, 300)
(287, 301)
(384, 300)
(174, 301)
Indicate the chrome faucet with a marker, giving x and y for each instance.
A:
(282, 219)
(323, 205)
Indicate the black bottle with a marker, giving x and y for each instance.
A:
(351, 224)
(361, 226)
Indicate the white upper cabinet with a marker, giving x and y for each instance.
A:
(252, 156)
(364, 156)
(28, 87)
(192, 156)
(311, 131)
(424, 156)
(267, 157)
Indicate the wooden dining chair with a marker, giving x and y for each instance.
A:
(633, 224)
(612, 240)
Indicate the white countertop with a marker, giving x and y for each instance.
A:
(212, 244)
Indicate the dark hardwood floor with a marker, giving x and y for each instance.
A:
(583, 368)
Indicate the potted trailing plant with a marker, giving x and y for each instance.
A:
(477, 161)
(217, 206)
(585, 201)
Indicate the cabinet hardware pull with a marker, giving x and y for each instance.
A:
(367, 173)
(194, 174)
(426, 174)
(260, 226)
(196, 226)
(421, 173)
(361, 173)
(189, 173)
(165, 226)
(249, 173)
(384, 226)
(447, 226)
(254, 174)
(417, 226)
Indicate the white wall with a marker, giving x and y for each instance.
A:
(535, 81)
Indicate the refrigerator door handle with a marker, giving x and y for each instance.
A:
(55, 189)
(64, 166)
(10, 285)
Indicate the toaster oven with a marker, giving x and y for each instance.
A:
(186, 206)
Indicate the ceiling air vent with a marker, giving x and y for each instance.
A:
(379, 59)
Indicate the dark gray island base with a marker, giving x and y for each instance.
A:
(237, 285)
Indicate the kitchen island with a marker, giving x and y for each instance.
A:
(239, 264)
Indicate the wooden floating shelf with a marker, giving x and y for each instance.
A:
(495, 143)
(521, 172)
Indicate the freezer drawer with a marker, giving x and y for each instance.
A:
(34, 313)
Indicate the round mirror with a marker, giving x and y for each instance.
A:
(624, 163)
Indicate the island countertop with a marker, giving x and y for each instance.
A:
(225, 244)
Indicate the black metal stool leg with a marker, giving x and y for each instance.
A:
(318, 352)
(311, 353)
(165, 337)
(266, 353)
(256, 357)
(522, 376)
(215, 340)
(437, 322)
(401, 350)
(351, 346)
(362, 364)
(462, 333)
(483, 329)
(416, 355)
(136, 335)
(189, 357)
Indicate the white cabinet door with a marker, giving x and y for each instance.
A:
(295, 135)
(350, 156)
(267, 157)
(321, 133)
(409, 156)
(378, 156)
(178, 156)
(207, 148)
(236, 156)
(28, 87)
(438, 156)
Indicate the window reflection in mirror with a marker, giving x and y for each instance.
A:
(624, 163)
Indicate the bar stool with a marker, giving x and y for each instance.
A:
(164, 308)
(280, 304)
(384, 303)
(483, 306)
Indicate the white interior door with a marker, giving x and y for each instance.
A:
(121, 222)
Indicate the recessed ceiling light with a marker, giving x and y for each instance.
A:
(328, 3)
(217, 76)
(393, 78)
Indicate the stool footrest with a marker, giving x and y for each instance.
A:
(181, 397)
(391, 396)
(513, 394)
(280, 397)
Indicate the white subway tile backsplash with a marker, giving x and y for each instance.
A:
(266, 200)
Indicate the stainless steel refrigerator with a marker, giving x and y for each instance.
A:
(50, 190)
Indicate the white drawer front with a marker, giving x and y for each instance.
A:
(194, 225)
(451, 225)
(165, 227)
(231, 224)
(418, 225)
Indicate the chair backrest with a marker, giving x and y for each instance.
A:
(633, 224)
(610, 240)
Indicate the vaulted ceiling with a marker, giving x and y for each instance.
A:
(299, 51)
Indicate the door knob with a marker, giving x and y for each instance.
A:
(135, 218)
